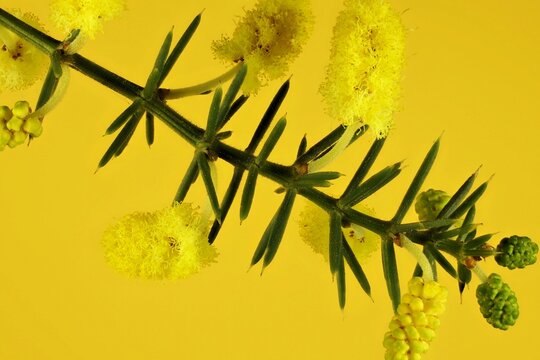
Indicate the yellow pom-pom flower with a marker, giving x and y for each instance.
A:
(365, 67)
(166, 244)
(86, 15)
(268, 38)
(314, 229)
(416, 321)
(21, 64)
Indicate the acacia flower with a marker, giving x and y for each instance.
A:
(314, 229)
(21, 63)
(268, 38)
(413, 326)
(86, 15)
(166, 244)
(365, 67)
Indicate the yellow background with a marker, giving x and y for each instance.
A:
(472, 73)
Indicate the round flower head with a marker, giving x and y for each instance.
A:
(413, 326)
(267, 39)
(166, 244)
(366, 61)
(314, 229)
(429, 204)
(21, 64)
(86, 15)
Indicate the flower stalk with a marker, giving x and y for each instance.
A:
(202, 88)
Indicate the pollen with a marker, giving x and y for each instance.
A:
(362, 84)
(170, 243)
(268, 38)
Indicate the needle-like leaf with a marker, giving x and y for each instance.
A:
(390, 271)
(417, 182)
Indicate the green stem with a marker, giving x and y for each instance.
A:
(8, 40)
(204, 87)
(419, 255)
(480, 273)
(283, 175)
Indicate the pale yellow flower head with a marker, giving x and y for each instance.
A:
(416, 321)
(21, 64)
(314, 229)
(86, 15)
(268, 38)
(166, 244)
(365, 67)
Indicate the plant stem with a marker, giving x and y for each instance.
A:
(283, 175)
(480, 273)
(204, 87)
(8, 40)
(57, 96)
(419, 255)
(338, 148)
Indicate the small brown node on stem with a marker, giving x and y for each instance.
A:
(396, 238)
(300, 169)
(470, 262)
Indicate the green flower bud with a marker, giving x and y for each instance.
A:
(5, 113)
(21, 109)
(516, 252)
(17, 138)
(498, 303)
(430, 203)
(15, 124)
(5, 136)
(33, 126)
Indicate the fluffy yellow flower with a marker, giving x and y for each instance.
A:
(416, 320)
(86, 15)
(166, 244)
(21, 64)
(314, 229)
(365, 68)
(268, 38)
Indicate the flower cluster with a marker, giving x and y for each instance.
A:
(16, 125)
(498, 303)
(516, 252)
(314, 229)
(167, 244)
(21, 64)
(268, 38)
(366, 61)
(416, 320)
(429, 204)
(86, 15)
